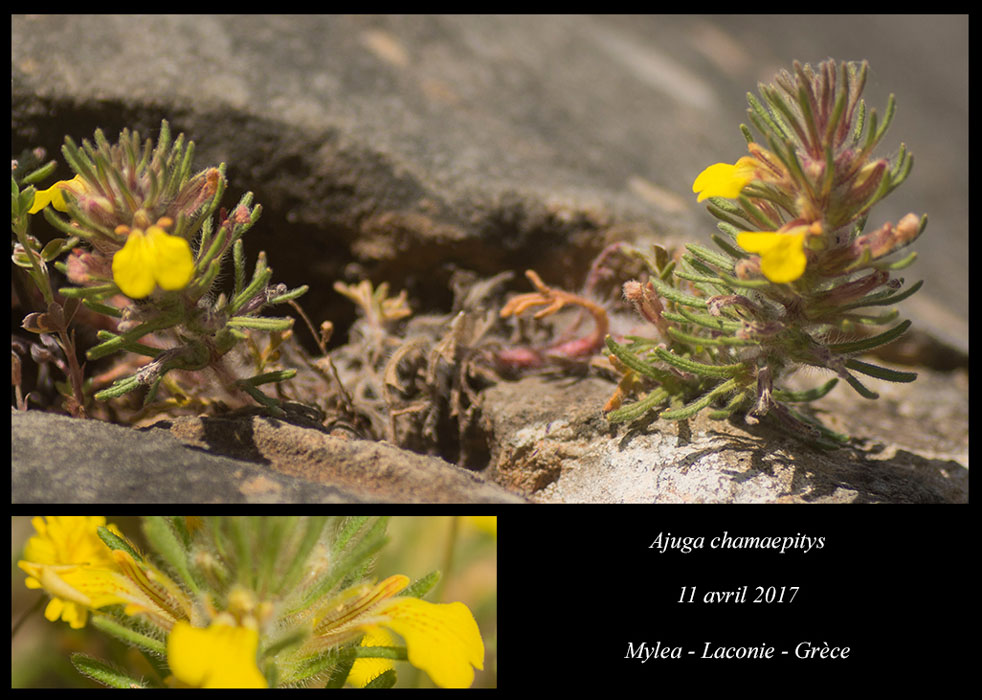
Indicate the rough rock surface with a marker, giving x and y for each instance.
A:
(234, 459)
(57, 459)
(403, 148)
(554, 445)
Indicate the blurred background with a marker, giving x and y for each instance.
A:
(398, 147)
(418, 545)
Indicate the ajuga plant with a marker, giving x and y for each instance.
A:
(144, 250)
(796, 280)
(249, 602)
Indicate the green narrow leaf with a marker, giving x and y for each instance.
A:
(237, 535)
(870, 135)
(693, 277)
(745, 284)
(884, 300)
(879, 320)
(686, 411)
(857, 133)
(348, 530)
(807, 394)
(185, 168)
(129, 636)
(860, 389)
(166, 542)
(716, 323)
(314, 665)
(262, 323)
(699, 367)
(726, 245)
(631, 412)
(693, 408)
(105, 310)
(270, 404)
(77, 160)
(672, 294)
(728, 214)
(900, 169)
(180, 525)
(118, 342)
(359, 559)
(872, 341)
(891, 375)
(123, 190)
(805, 105)
(905, 261)
(351, 562)
(39, 175)
(280, 375)
(887, 118)
(632, 361)
(291, 638)
(725, 412)
(774, 124)
(666, 271)
(259, 281)
(393, 653)
(114, 541)
(757, 214)
(103, 673)
(421, 586)
(238, 267)
(711, 283)
(711, 257)
(215, 246)
(345, 660)
(271, 673)
(313, 527)
(836, 116)
(118, 388)
(277, 539)
(56, 247)
(721, 340)
(789, 122)
(295, 293)
(386, 679)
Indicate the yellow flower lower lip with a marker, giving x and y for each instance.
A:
(53, 195)
(724, 180)
(220, 656)
(782, 255)
(441, 638)
(150, 259)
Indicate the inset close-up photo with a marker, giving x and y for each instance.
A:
(254, 602)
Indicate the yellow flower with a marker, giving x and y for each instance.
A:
(220, 656)
(69, 560)
(725, 180)
(441, 638)
(150, 259)
(74, 566)
(53, 195)
(782, 255)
